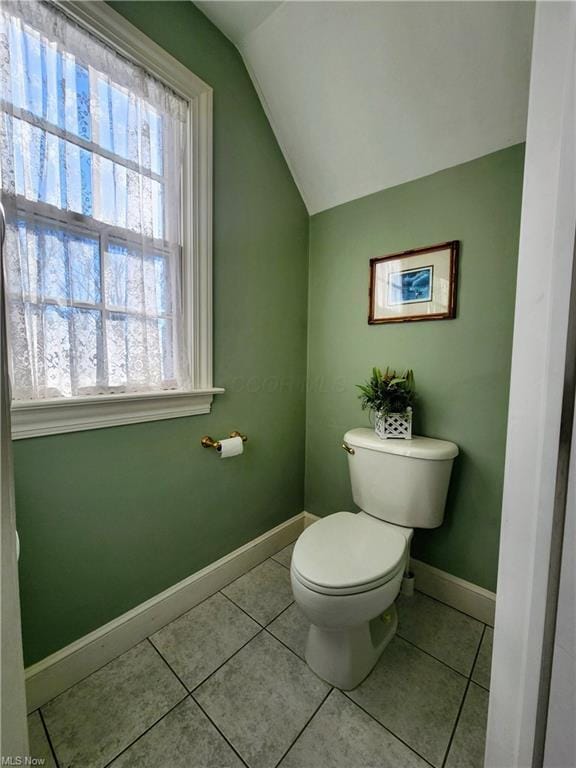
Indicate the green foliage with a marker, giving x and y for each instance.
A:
(386, 392)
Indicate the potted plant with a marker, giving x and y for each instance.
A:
(390, 397)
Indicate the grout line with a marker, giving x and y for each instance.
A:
(252, 617)
(219, 667)
(130, 648)
(431, 655)
(455, 726)
(82, 679)
(226, 660)
(467, 678)
(243, 610)
(196, 605)
(306, 724)
(280, 614)
(484, 633)
(262, 630)
(218, 591)
(190, 690)
(198, 703)
(478, 651)
(176, 675)
(102, 667)
(273, 636)
(386, 728)
(232, 747)
(154, 724)
(48, 737)
(437, 600)
(300, 658)
(273, 557)
(468, 684)
(237, 651)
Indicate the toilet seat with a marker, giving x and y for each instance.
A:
(346, 554)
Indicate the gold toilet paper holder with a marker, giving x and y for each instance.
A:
(209, 442)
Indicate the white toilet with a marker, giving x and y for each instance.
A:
(347, 568)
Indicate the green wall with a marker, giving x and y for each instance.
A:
(462, 366)
(109, 518)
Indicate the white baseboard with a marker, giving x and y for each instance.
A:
(462, 595)
(57, 672)
(457, 593)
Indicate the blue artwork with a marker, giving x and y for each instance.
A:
(410, 286)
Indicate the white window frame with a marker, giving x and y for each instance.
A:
(47, 417)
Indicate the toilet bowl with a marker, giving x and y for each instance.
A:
(346, 572)
(347, 568)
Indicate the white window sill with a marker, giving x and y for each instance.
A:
(52, 417)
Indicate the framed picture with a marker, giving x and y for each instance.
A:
(414, 285)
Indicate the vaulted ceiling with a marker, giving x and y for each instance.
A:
(366, 95)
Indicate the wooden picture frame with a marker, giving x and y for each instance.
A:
(419, 284)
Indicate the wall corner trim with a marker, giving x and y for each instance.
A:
(59, 671)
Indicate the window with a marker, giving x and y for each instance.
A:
(105, 169)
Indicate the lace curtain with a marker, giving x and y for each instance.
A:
(91, 157)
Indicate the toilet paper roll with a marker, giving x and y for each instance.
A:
(232, 446)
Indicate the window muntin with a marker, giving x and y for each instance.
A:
(91, 176)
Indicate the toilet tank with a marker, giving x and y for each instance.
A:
(404, 482)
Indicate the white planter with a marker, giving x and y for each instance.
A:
(398, 425)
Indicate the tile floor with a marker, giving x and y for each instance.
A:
(225, 686)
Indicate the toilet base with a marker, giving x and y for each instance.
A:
(344, 657)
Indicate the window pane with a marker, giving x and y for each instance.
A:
(157, 190)
(94, 227)
(53, 338)
(89, 374)
(55, 87)
(112, 118)
(36, 163)
(166, 328)
(162, 282)
(51, 263)
(55, 171)
(143, 351)
(139, 351)
(71, 367)
(116, 351)
(74, 98)
(156, 141)
(51, 170)
(136, 282)
(84, 266)
(76, 174)
(127, 199)
(117, 111)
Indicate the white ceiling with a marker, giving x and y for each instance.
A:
(366, 95)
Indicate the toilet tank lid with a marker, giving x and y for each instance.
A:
(417, 448)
